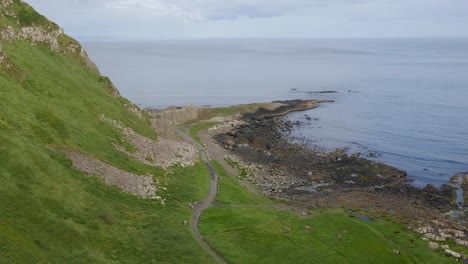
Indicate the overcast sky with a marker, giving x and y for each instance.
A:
(175, 19)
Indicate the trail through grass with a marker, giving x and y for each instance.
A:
(250, 228)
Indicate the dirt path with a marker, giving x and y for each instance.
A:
(207, 203)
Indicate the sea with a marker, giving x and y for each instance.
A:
(403, 102)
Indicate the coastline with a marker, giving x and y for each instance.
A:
(252, 141)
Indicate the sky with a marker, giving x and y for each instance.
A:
(188, 19)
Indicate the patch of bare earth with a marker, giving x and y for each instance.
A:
(143, 186)
(163, 153)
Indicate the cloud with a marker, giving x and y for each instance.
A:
(215, 10)
(203, 9)
(206, 10)
(258, 18)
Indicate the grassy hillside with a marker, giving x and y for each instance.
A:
(49, 211)
(52, 99)
(249, 228)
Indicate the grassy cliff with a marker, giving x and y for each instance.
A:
(51, 99)
(54, 100)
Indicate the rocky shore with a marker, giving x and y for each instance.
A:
(259, 147)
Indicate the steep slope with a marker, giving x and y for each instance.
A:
(54, 105)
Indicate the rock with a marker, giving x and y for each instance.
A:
(434, 237)
(461, 242)
(287, 229)
(433, 245)
(453, 253)
(143, 186)
(445, 246)
(424, 229)
(168, 118)
(396, 252)
(306, 227)
(449, 191)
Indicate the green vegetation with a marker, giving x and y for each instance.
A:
(71, 218)
(198, 127)
(52, 213)
(208, 113)
(27, 16)
(250, 228)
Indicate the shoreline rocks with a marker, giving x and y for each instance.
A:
(312, 178)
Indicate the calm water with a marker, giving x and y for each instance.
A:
(405, 100)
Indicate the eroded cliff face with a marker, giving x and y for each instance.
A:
(167, 119)
(19, 21)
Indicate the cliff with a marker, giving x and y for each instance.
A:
(167, 119)
(20, 22)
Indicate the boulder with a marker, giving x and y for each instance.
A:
(433, 245)
(453, 253)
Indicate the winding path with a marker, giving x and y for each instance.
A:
(207, 203)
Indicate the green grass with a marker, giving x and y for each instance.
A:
(258, 235)
(207, 113)
(27, 16)
(196, 128)
(52, 213)
(251, 228)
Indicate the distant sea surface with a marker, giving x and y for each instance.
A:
(400, 101)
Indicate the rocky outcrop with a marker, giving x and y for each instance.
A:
(133, 108)
(164, 153)
(87, 61)
(283, 108)
(2, 55)
(35, 35)
(171, 117)
(142, 186)
(6, 3)
(47, 33)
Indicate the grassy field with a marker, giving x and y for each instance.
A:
(250, 228)
(52, 213)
